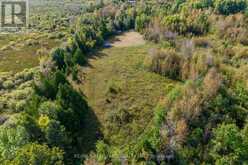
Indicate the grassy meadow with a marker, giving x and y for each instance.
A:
(117, 85)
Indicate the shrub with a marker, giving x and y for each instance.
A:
(198, 65)
(47, 65)
(188, 64)
(124, 19)
(48, 86)
(227, 144)
(227, 7)
(50, 109)
(198, 24)
(241, 93)
(108, 11)
(8, 84)
(177, 5)
(166, 63)
(25, 75)
(55, 134)
(212, 82)
(45, 88)
(85, 39)
(74, 72)
(159, 115)
(42, 52)
(232, 27)
(43, 121)
(79, 58)
(201, 4)
(38, 154)
(20, 94)
(58, 57)
(181, 131)
(73, 105)
(11, 139)
(102, 150)
(141, 22)
(188, 105)
(175, 23)
(20, 105)
(153, 31)
(27, 86)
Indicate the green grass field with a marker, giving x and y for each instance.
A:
(119, 89)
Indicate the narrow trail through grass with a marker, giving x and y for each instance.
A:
(121, 92)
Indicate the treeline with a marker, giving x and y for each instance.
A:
(182, 17)
(49, 129)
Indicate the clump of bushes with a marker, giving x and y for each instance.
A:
(227, 7)
(124, 18)
(198, 23)
(166, 28)
(231, 27)
(229, 144)
(154, 31)
(176, 118)
(8, 84)
(166, 62)
(141, 22)
(33, 153)
(15, 90)
(179, 65)
(202, 4)
(175, 23)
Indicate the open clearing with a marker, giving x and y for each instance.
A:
(128, 39)
(116, 85)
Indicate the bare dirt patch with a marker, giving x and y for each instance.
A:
(128, 39)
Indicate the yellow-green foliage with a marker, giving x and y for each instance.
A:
(15, 89)
(179, 65)
(165, 62)
(175, 23)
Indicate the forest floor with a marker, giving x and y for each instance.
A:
(121, 93)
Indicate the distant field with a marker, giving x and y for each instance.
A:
(20, 51)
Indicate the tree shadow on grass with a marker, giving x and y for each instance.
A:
(94, 56)
(91, 132)
(97, 54)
